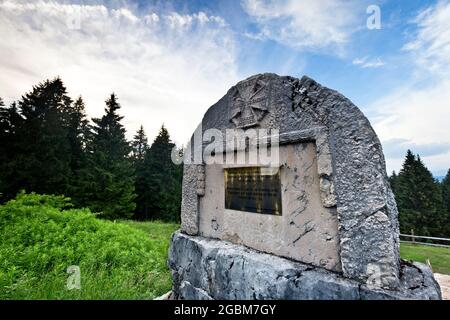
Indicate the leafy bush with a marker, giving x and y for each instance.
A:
(41, 238)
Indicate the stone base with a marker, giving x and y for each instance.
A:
(205, 269)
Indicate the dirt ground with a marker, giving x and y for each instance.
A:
(444, 282)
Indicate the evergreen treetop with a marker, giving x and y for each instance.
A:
(110, 174)
(419, 198)
(41, 140)
(139, 144)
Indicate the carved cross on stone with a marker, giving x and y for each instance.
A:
(249, 104)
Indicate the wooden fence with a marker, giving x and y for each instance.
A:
(414, 237)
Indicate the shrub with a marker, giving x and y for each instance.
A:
(41, 238)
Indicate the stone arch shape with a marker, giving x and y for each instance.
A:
(350, 160)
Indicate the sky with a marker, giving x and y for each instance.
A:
(169, 61)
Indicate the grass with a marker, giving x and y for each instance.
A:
(158, 231)
(41, 238)
(439, 257)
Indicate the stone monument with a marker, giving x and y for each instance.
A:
(285, 196)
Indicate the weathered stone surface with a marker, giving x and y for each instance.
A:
(212, 269)
(189, 201)
(306, 231)
(188, 290)
(350, 162)
(200, 180)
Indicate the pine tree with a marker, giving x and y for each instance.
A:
(79, 132)
(10, 121)
(110, 183)
(446, 204)
(418, 198)
(139, 144)
(162, 195)
(79, 135)
(140, 148)
(42, 159)
(446, 191)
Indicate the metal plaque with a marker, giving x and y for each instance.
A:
(253, 189)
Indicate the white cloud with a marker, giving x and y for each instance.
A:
(368, 63)
(164, 67)
(417, 114)
(417, 118)
(305, 24)
(431, 45)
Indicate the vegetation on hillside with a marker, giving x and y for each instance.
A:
(42, 236)
(439, 257)
(423, 202)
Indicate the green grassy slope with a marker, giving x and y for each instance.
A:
(439, 257)
(40, 240)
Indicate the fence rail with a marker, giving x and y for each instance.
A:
(413, 237)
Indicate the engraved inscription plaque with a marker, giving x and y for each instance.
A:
(253, 189)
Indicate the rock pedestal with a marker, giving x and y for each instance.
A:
(206, 269)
